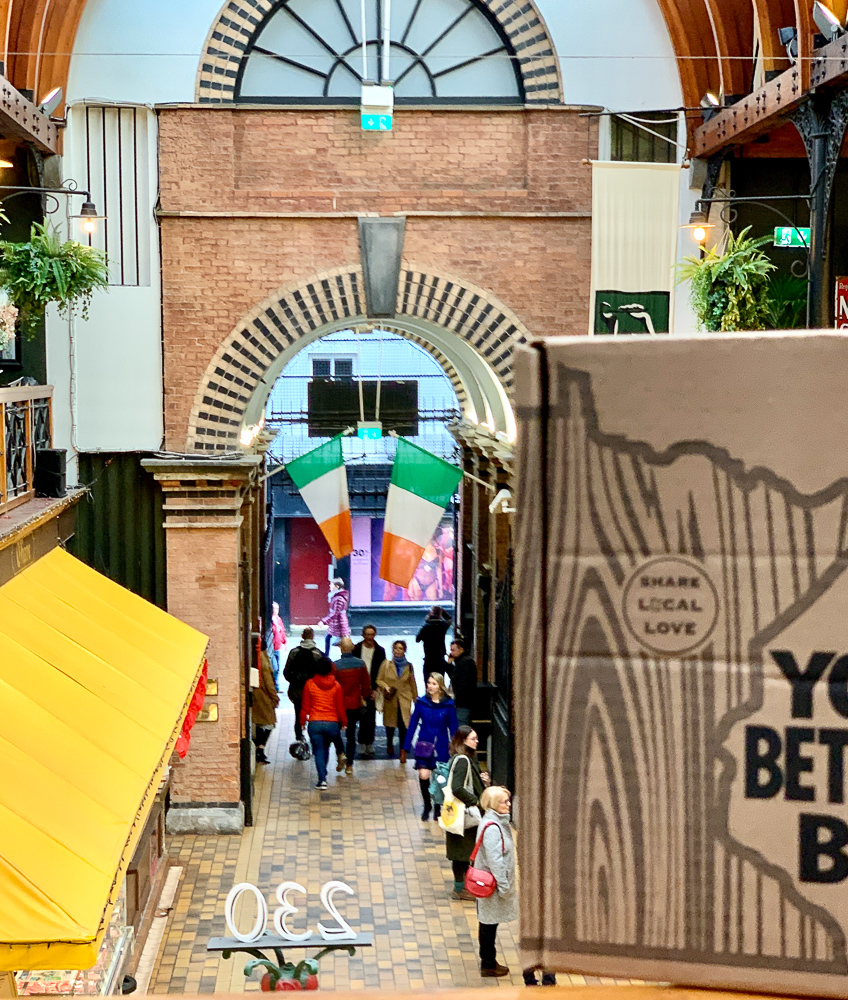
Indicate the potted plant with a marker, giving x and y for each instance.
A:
(730, 288)
(47, 270)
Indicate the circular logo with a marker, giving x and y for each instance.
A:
(670, 605)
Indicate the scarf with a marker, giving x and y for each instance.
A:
(400, 663)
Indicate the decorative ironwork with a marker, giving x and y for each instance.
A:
(26, 425)
(41, 423)
(16, 449)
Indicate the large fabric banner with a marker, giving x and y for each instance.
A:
(682, 727)
(635, 229)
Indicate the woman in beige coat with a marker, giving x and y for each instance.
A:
(397, 690)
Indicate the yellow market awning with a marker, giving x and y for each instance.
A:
(94, 685)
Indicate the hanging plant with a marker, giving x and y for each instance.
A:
(8, 319)
(730, 289)
(45, 270)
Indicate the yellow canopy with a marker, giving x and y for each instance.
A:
(94, 686)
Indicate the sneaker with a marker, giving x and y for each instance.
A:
(349, 770)
(497, 972)
(341, 762)
(322, 785)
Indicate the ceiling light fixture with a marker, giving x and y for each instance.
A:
(827, 22)
(700, 226)
(52, 101)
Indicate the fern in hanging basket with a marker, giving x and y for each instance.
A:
(730, 290)
(45, 270)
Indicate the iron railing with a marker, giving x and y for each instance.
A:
(27, 420)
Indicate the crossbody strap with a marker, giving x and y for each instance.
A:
(480, 839)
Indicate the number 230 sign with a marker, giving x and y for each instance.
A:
(341, 932)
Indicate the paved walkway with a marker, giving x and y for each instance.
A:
(365, 830)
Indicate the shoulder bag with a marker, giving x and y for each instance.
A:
(479, 882)
(455, 816)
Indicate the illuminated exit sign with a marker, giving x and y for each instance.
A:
(789, 236)
(369, 430)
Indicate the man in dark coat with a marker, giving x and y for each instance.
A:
(373, 654)
(462, 670)
(299, 668)
(432, 633)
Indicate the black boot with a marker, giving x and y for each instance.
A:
(425, 794)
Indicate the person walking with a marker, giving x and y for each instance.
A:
(396, 691)
(355, 680)
(299, 668)
(264, 702)
(432, 724)
(496, 854)
(278, 640)
(323, 706)
(467, 782)
(462, 670)
(432, 634)
(372, 654)
(336, 621)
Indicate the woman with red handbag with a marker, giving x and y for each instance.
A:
(493, 860)
(431, 727)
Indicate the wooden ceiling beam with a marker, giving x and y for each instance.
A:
(21, 120)
(692, 36)
(766, 108)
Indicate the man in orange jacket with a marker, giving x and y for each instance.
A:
(323, 705)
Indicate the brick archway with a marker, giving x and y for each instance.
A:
(468, 331)
(239, 20)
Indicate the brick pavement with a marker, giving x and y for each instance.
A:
(366, 830)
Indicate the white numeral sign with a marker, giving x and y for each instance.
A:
(341, 932)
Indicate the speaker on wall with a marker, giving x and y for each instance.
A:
(50, 472)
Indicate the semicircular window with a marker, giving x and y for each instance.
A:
(444, 51)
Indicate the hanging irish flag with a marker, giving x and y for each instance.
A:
(421, 488)
(321, 477)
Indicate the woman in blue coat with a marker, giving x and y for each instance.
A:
(431, 727)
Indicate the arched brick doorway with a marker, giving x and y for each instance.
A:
(463, 326)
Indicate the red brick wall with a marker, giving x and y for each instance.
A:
(473, 164)
(203, 590)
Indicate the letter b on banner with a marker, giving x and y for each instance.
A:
(822, 860)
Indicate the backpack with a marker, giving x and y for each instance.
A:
(438, 782)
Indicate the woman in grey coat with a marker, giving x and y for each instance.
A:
(496, 855)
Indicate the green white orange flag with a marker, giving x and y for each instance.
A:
(321, 477)
(421, 487)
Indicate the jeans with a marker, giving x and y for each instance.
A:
(488, 952)
(463, 716)
(368, 724)
(298, 728)
(321, 735)
(327, 642)
(354, 718)
(275, 667)
(390, 734)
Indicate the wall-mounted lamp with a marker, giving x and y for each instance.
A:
(88, 217)
(700, 226)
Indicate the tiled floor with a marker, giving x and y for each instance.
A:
(365, 830)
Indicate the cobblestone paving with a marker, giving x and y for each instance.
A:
(365, 830)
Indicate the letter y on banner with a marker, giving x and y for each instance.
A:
(321, 477)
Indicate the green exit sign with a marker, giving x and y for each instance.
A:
(376, 123)
(789, 236)
(369, 430)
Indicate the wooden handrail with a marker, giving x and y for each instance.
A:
(17, 394)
